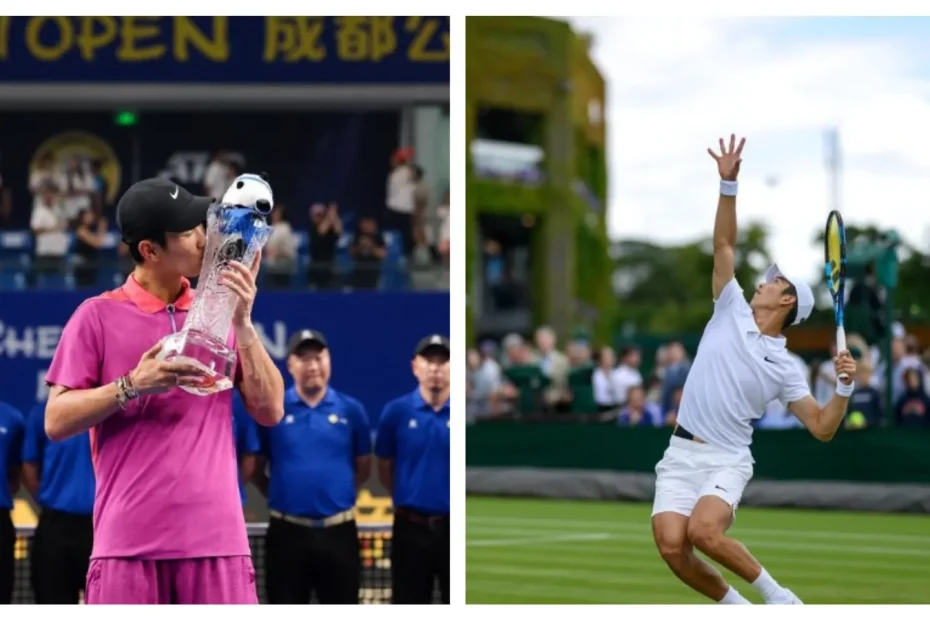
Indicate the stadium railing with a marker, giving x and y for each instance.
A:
(375, 550)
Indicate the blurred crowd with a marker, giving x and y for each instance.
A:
(71, 241)
(518, 377)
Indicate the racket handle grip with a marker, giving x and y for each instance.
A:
(841, 346)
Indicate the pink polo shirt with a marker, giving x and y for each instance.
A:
(167, 483)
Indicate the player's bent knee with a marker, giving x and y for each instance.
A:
(671, 541)
(706, 535)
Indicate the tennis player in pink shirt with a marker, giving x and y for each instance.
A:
(168, 521)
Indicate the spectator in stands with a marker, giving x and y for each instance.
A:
(280, 253)
(60, 477)
(325, 231)
(578, 353)
(219, 176)
(825, 379)
(90, 235)
(554, 365)
(676, 372)
(912, 408)
(654, 390)
(367, 250)
(661, 362)
(476, 405)
(486, 393)
(44, 178)
(488, 373)
(605, 395)
(99, 185)
(909, 360)
(442, 229)
(421, 211)
(401, 190)
(50, 227)
(77, 189)
(671, 412)
(11, 450)
(637, 412)
(776, 417)
(865, 404)
(627, 374)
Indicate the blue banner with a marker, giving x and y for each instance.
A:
(283, 50)
(372, 337)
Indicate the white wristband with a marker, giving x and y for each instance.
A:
(728, 188)
(845, 390)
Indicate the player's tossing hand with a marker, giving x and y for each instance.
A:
(728, 160)
(845, 363)
(154, 376)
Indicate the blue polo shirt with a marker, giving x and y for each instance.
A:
(11, 450)
(66, 479)
(417, 439)
(312, 453)
(245, 434)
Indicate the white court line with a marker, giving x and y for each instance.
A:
(647, 555)
(760, 544)
(513, 542)
(620, 525)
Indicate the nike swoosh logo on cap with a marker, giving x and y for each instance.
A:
(175, 194)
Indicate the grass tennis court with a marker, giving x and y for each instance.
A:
(550, 552)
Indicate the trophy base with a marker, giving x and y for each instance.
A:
(205, 352)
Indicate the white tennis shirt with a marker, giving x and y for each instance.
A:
(736, 373)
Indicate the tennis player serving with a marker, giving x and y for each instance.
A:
(740, 366)
(168, 521)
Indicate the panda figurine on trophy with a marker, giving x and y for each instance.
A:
(237, 228)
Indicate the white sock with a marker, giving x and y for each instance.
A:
(767, 586)
(732, 597)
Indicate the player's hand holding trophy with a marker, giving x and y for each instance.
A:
(237, 228)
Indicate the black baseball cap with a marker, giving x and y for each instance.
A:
(156, 206)
(432, 342)
(306, 336)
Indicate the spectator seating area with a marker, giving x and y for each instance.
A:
(16, 259)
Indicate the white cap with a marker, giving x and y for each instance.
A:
(805, 294)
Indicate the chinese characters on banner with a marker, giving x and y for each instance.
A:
(209, 49)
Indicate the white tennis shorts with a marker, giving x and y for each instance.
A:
(690, 470)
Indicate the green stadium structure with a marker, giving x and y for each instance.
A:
(541, 67)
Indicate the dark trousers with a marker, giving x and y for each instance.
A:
(419, 556)
(300, 560)
(403, 224)
(7, 559)
(60, 556)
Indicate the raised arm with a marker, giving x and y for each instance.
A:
(728, 162)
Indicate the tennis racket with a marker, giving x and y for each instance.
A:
(835, 270)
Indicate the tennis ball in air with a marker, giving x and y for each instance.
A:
(856, 419)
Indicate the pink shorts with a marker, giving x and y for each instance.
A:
(196, 581)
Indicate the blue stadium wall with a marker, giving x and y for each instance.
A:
(372, 337)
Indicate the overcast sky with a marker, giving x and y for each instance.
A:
(675, 86)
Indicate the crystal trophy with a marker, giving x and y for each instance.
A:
(237, 228)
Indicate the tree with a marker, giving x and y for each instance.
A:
(665, 289)
(912, 296)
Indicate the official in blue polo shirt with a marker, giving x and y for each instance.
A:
(318, 457)
(245, 434)
(11, 453)
(413, 464)
(60, 477)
